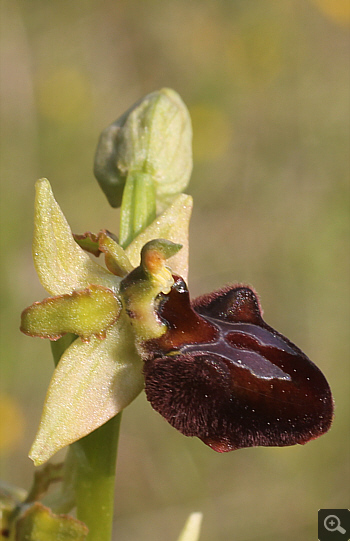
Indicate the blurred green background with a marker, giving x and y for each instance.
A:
(267, 84)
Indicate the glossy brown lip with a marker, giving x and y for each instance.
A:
(222, 374)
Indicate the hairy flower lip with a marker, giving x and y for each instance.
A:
(239, 383)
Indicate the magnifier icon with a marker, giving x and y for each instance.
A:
(332, 524)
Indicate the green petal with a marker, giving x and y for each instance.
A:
(105, 242)
(87, 312)
(88, 242)
(172, 225)
(62, 266)
(116, 259)
(92, 382)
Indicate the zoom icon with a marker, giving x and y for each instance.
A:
(334, 525)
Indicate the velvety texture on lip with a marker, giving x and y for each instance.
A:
(222, 374)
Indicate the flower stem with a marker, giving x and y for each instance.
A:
(96, 456)
(138, 208)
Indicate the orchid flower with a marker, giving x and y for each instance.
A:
(212, 367)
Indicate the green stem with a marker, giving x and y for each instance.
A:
(58, 347)
(138, 208)
(96, 457)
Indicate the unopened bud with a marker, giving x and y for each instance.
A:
(154, 137)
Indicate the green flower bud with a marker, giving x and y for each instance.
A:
(153, 137)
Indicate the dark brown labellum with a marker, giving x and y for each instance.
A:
(222, 374)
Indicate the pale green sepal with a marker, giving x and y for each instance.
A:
(92, 382)
(38, 523)
(61, 264)
(172, 225)
(90, 311)
(192, 528)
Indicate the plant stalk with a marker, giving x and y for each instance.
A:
(96, 457)
(138, 207)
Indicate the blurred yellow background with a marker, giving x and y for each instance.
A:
(267, 84)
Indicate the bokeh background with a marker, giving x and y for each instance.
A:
(267, 84)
